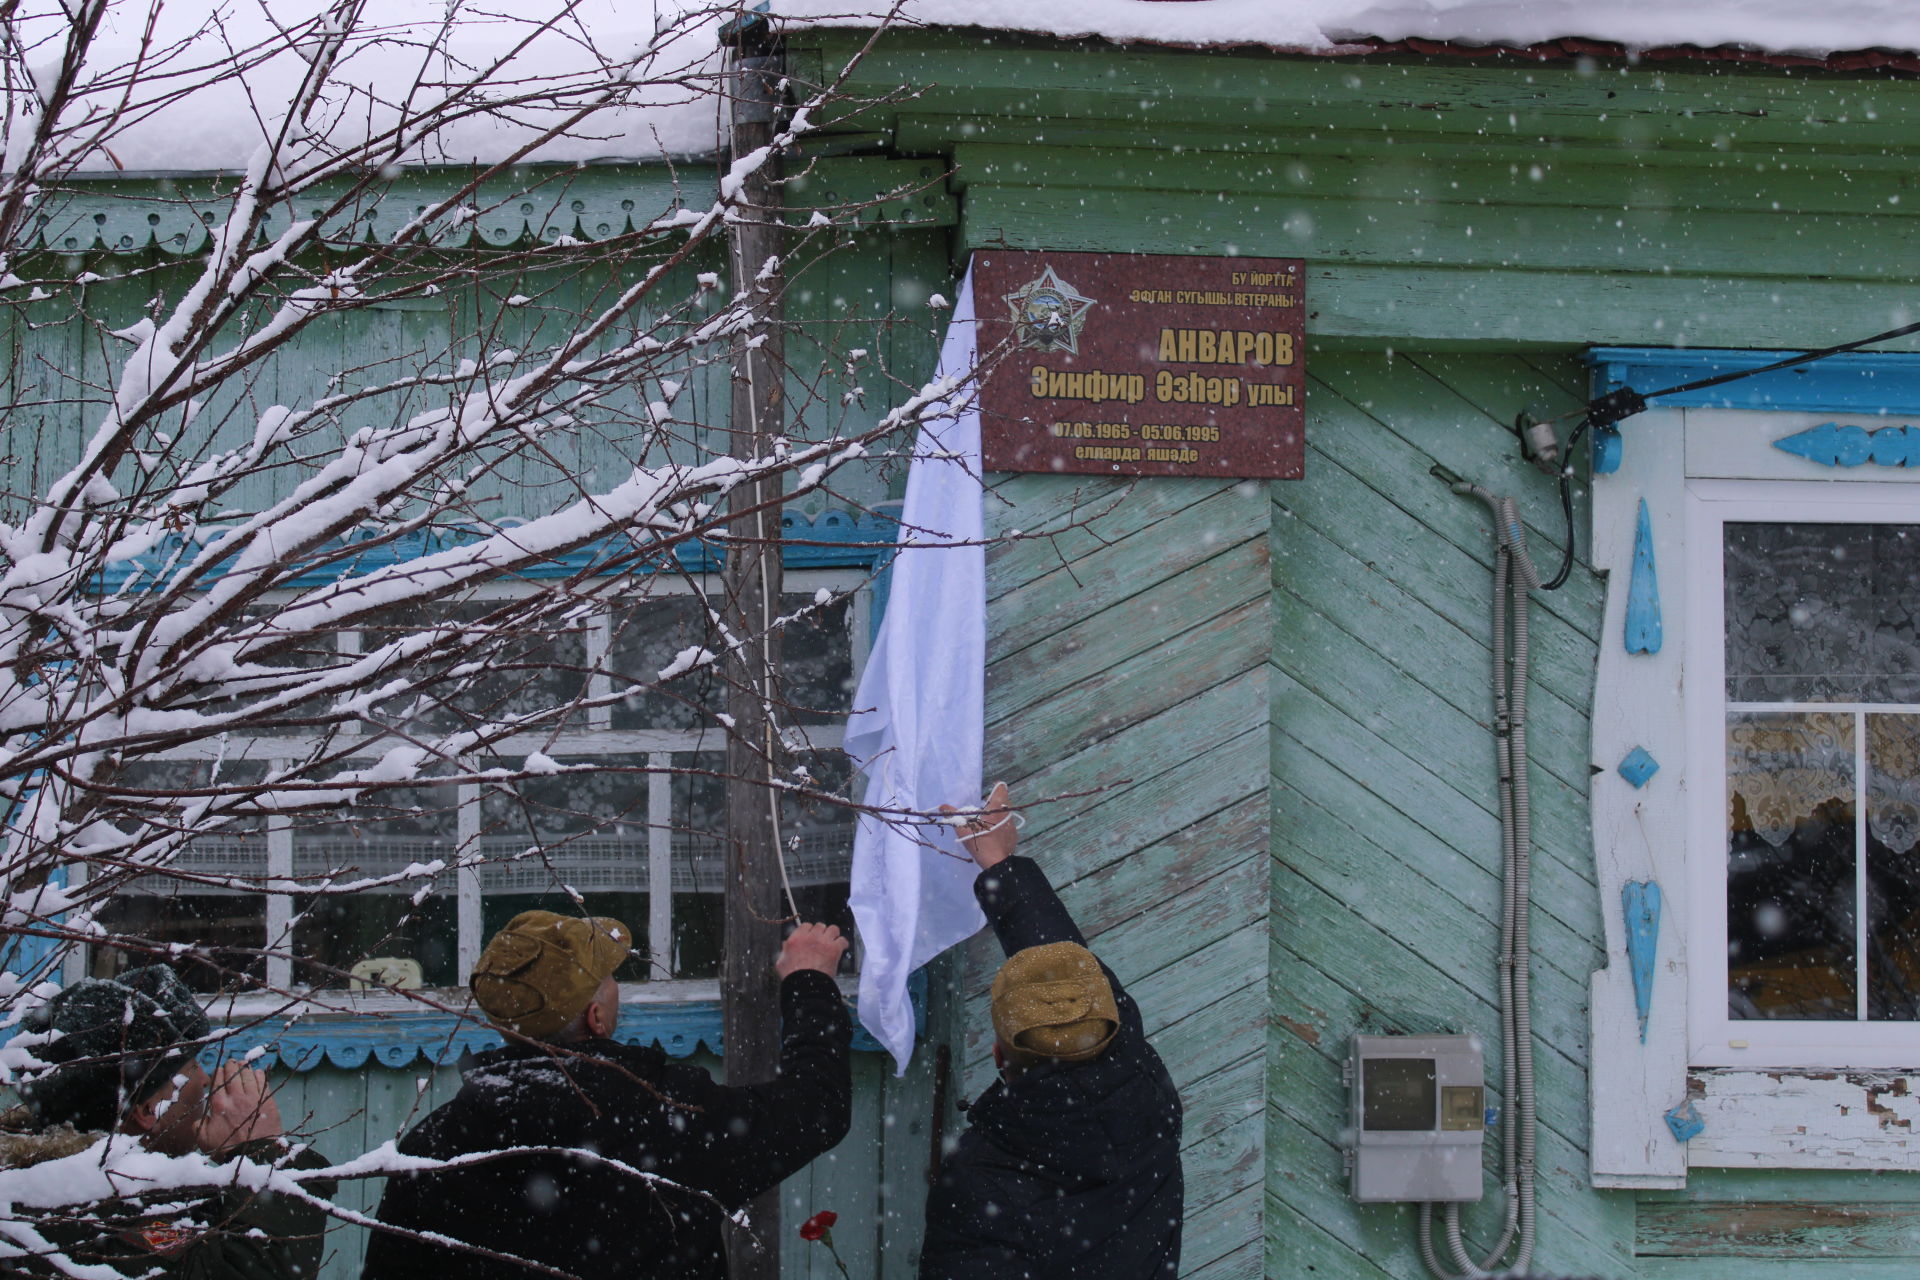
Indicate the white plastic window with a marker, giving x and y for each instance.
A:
(1803, 715)
(641, 840)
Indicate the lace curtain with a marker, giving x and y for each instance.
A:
(1783, 766)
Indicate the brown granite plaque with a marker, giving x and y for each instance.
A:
(1141, 364)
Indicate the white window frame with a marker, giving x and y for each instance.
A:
(1681, 1095)
(1716, 1040)
(599, 739)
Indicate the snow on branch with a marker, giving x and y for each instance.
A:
(339, 571)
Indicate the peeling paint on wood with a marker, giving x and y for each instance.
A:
(1805, 1120)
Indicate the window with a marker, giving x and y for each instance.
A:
(640, 837)
(1807, 924)
(1756, 790)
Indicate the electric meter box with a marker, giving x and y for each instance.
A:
(1419, 1113)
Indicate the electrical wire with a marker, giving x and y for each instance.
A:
(1513, 577)
(1806, 357)
(1624, 402)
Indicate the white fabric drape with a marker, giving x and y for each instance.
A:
(918, 730)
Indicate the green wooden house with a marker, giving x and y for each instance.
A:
(1283, 686)
(1272, 697)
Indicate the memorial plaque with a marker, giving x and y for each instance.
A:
(1140, 364)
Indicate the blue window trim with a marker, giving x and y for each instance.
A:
(397, 1040)
(1876, 382)
(854, 540)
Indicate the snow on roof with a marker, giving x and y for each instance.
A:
(1772, 26)
(222, 71)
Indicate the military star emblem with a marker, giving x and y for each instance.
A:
(1048, 313)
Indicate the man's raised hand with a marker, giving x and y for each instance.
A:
(990, 832)
(240, 1108)
(811, 946)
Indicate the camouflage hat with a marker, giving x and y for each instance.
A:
(111, 1042)
(1054, 1002)
(542, 970)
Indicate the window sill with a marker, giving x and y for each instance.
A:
(1799, 1119)
(383, 1028)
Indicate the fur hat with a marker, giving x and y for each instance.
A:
(542, 970)
(111, 1042)
(1054, 1002)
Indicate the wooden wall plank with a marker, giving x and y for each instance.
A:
(1370, 230)
(1036, 608)
(1775, 1229)
(907, 1128)
(1638, 113)
(1243, 1263)
(1043, 505)
(1157, 616)
(1439, 691)
(1412, 983)
(1822, 1186)
(1078, 522)
(1320, 807)
(1114, 701)
(1192, 915)
(336, 1102)
(846, 1180)
(1341, 602)
(1458, 410)
(1190, 779)
(1222, 1164)
(1409, 795)
(1297, 1245)
(1387, 879)
(1223, 1099)
(1198, 1043)
(1220, 1229)
(1311, 1222)
(1451, 752)
(1451, 580)
(1384, 428)
(1442, 174)
(1161, 860)
(1580, 1232)
(1139, 883)
(1773, 1269)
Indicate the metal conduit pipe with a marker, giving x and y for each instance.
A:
(1514, 578)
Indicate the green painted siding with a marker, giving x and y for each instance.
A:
(1440, 203)
(1127, 676)
(1496, 216)
(1386, 831)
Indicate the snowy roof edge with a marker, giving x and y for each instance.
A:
(1850, 35)
(1561, 49)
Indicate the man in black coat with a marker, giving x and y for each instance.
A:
(120, 1055)
(1069, 1168)
(642, 1157)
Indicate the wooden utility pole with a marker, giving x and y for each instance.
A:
(749, 994)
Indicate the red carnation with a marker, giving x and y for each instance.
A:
(816, 1227)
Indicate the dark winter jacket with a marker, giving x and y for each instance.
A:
(1071, 1171)
(231, 1235)
(721, 1145)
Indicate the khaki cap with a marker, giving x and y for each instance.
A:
(1054, 1002)
(542, 970)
